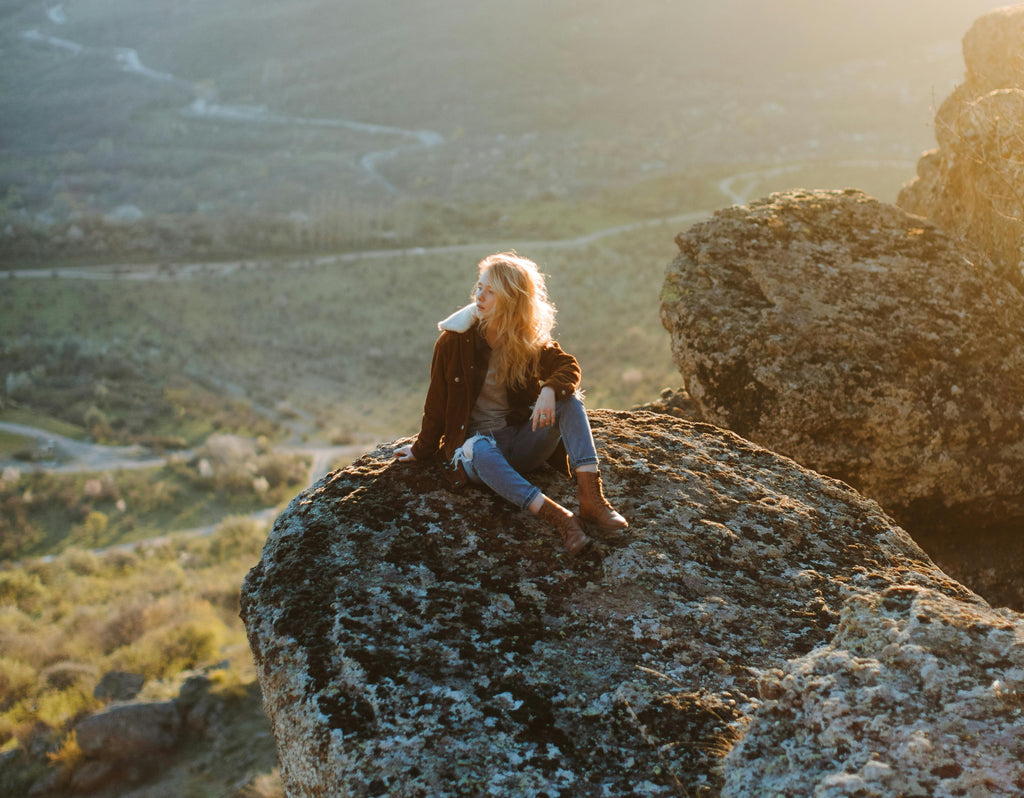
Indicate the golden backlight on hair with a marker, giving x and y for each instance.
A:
(523, 316)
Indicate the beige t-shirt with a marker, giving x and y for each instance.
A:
(491, 408)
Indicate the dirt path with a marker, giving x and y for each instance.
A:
(145, 272)
(61, 454)
(67, 455)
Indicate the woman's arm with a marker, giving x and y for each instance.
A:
(559, 371)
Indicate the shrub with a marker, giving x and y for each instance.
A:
(21, 590)
(121, 561)
(93, 529)
(39, 644)
(57, 708)
(65, 675)
(127, 623)
(282, 469)
(190, 635)
(237, 536)
(228, 462)
(82, 563)
(95, 420)
(16, 681)
(68, 756)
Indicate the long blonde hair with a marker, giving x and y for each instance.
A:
(523, 315)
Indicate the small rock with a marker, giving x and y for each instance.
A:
(119, 686)
(129, 730)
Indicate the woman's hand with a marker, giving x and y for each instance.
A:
(544, 409)
(404, 454)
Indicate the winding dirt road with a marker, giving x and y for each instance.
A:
(202, 102)
(63, 455)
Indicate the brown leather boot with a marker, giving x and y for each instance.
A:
(600, 518)
(574, 538)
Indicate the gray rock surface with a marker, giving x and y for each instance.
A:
(124, 731)
(415, 642)
(973, 183)
(897, 653)
(864, 343)
(119, 686)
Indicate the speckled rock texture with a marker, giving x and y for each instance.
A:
(973, 183)
(862, 342)
(857, 716)
(415, 642)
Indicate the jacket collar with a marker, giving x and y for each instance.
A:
(460, 321)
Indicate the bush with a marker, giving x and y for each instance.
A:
(21, 590)
(92, 531)
(82, 563)
(282, 469)
(57, 708)
(16, 681)
(69, 756)
(228, 462)
(237, 536)
(191, 636)
(95, 420)
(66, 675)
(121, 561)
(126, 624)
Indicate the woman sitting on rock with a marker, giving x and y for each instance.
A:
(503, 395)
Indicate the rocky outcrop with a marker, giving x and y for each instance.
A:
(864, 343)
(973, 183)
(415, 642)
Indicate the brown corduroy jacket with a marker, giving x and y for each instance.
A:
(457, 373)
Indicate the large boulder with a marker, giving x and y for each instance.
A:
(864, 343)
(973, 183)
(414, 642)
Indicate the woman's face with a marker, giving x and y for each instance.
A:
(484, 296)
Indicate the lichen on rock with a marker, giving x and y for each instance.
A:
(917, 694)
(415, 642)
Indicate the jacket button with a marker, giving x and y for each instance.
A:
(457, 379)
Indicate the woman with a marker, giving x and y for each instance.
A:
(503, 396)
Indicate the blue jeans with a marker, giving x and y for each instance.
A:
(500, 459)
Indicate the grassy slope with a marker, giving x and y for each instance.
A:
(350, 342)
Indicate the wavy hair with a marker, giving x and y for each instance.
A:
(523, 316)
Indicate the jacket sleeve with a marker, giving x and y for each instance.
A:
(434, 406)
(559, 370)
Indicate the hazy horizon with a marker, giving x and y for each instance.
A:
(456, 100)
